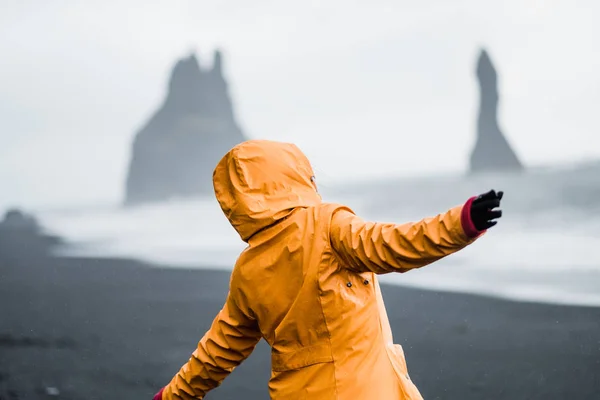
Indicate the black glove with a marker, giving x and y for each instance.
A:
(482, 210)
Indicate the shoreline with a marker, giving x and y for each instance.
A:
(440, 272)
(95, 328)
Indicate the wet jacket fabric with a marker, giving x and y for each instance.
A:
(307, 284)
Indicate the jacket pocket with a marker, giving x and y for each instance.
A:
(303, 357)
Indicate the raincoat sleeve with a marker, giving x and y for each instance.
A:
(384, 247)
(229, 341)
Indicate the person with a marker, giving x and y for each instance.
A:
(307, 282)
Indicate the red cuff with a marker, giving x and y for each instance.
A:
(158, 396)
(467, 222)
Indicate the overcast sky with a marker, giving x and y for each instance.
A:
(364, 87)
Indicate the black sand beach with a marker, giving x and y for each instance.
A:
(116, 329)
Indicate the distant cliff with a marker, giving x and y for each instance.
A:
(492, 151)
(175, 153)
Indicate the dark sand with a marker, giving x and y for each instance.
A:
(115, 329)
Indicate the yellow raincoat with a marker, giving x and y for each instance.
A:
(307, 284)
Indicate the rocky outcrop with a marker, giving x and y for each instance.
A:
(176, 151)
(492, 152)
(21, 235)
(16, 220)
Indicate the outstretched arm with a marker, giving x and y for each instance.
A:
(384, 247)
(229, 341)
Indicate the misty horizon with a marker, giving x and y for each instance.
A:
(388, 85)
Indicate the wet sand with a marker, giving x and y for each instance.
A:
(117, 329)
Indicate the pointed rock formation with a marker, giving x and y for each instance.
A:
(175, 153)
(492, 151)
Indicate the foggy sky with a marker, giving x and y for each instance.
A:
(364, 88)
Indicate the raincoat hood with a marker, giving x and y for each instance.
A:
(260, 182)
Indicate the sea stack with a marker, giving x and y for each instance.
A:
(176, 151)
(492, 152)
